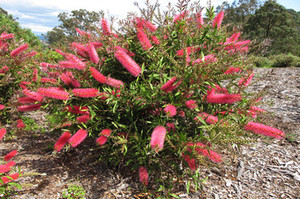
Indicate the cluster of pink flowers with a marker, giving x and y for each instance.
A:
(170, 85)
(5, 168)
(221, 98)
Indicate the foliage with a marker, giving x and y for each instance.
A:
(65, 32)
(74, 192)
(285, 60)
(10, 25)
(272, 21)
(281, 60)
(159, 99)
(259, 61)
(238, 12)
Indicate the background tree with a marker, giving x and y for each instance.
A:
(272, 21)
(66, 31)
(238, 13)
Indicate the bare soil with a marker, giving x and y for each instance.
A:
(267, 169)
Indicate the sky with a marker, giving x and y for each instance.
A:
(41, 15)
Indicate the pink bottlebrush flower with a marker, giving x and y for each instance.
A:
(218, 19)
(191, 104)
(6, 167)
(22, 86)
(105, 27)
(18, 50)
(169, 85)
(170, 110)
(69, 64)
(25, 83)
(76, 61)
(231, 70)
(125, 50)
(218, 89)
(10, 155)
(170, 126)
(105, 133)
(74, 82)
(5, 36)
(236, 45)
(201, 150)
(2, 133)
(66, 79)
(143, 173)
(257, 109)
(155, 40)
(245, 82)
(181, 113)
(32, 107)
(191, 162)
(10, 178)
(128, 62)
(83, 118)
(34, 75)
(139, 22)
(31, 54)
(63, 139)
(60, 52)
(97, 44)
(82, 33)
(264, 130)
(158, 138)
(92, 53)
(4, 69)
(80, 49)
(150, 26)
(114, 82)
(210, 119)
(97, 75)
(20, 124)
(223, 98)
(78, 137)
(234, 37)
(2, 107)
(78, 109)
(33, 95)
(208, 59)
(142, 37)
(48, 65)
(200, 20)
(180, 16)
(54, 93)
(260, 98)
(241, 43)
(85, 92)
(48, 80)
(188, 51)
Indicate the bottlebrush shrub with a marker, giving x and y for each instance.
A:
(7, 176)
(16, 64)
(153, 104)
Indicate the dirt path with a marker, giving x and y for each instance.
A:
(267, 169)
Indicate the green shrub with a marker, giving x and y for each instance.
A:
(285, 60)
(262, 61)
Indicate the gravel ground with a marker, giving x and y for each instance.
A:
(266, 169)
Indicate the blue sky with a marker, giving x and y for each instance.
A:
(41, 15)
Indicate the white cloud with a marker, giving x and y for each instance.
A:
(18, 14)
(37, 28)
